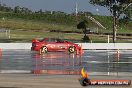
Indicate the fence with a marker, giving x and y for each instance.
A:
(4, 33)
(87, 46)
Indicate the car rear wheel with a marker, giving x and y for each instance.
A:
(72, 49)
(44, 49)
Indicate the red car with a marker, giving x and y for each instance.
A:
(53, 44)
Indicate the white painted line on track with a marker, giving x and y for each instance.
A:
(88, 56)
(128, 57)
(107, 62)
(17, 55)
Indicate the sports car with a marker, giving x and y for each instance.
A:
(53, 44)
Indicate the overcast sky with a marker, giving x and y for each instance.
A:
(58, 5)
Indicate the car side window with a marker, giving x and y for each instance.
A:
(59, 40)
(50, 40)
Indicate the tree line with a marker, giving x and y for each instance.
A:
(55, 16)
(47, 16)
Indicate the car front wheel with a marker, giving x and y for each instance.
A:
(72, 49)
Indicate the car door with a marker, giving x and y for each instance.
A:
(51, 44)
(60, 45)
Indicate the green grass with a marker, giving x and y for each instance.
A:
(33, 25)
(28, 35)
(26, 30)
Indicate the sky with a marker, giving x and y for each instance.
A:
(67, 6)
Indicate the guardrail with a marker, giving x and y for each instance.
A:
(106, 46)
(15, 45)
(87, 46)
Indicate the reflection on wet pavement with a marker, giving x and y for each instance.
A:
(63, 63)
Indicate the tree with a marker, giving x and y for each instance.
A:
(83, 25)
(17, 9)
(117, 7)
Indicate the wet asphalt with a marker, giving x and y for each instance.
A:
(91, 60)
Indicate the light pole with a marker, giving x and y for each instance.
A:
(97, 11)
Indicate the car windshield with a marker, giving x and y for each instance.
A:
(51, 40)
